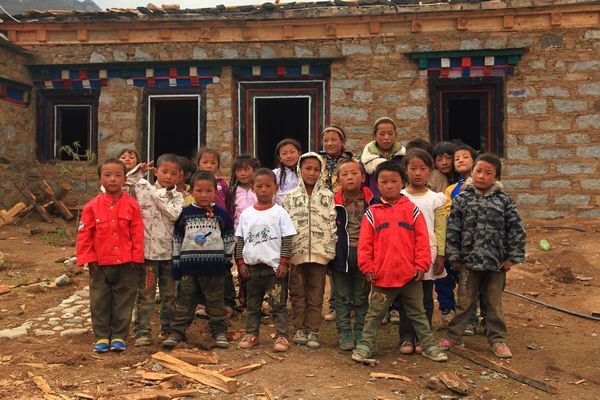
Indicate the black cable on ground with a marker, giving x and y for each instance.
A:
(552, 306)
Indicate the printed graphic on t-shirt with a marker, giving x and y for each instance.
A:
(257, 237)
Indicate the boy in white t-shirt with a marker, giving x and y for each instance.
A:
(262, 252)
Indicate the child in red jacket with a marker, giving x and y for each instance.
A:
(394, 254)
(111, 242)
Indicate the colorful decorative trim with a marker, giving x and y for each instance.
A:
(468, 64)
(283, 70)
(15, 92)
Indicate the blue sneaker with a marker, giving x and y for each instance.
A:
(101, 346)
(117, 345)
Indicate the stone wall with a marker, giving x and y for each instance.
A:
(552, 124)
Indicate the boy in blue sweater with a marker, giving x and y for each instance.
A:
(203, 244)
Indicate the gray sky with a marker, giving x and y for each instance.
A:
(183, 3)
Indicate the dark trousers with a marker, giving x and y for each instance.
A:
(406, 330)
(351, 291)
(153, 273)
(468, 294)
(307, 285)
(190, 289)
(263, 280)
(229, 289)
(444, 287)
(112, 297)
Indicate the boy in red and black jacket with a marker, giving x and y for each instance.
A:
(394, 254)
(110, 241)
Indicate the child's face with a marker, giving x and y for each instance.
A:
(418, 172)
(265, 188)
(351, 177)
(310, 171)
(129, 159)
(390, 184)
(112, 177)
(168, 174)
(463, 162)
(204, 192)
(289, 155)
(385, 136)
(244, 175)
(332, 143)
(484, 175)
(443, 163)
(209, 163)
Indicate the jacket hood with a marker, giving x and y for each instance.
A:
(496, 187)
(339, 198)
(310, 154)
(372, 155)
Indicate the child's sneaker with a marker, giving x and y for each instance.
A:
(394, 317)
(142, 341)
(435, 353)
(418, 348)
(300, 337)
(501, 350)
(312, 341)
(221, 341)
(281, 344)
(101, 346)
(248, 341)
(361, 353)
(330, 316)
(201, 312)
(346, 341)
(171, 342)
(445, 344)
(163, 335)
(469, 330)
(447, 316)
(117, 345)
(407, 347)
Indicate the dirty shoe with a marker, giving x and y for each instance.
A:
(434, 353)
(312, 341)
(501, 350)
(300, 337)
(142, 341)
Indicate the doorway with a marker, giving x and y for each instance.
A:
(173, 125)
(465, 117)
(277, 118)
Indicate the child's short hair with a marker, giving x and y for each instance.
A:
(418, 153)
(419, 144)
(390, 166)
(203, 176)
(345, 161)
(111, 161)
(244, 160)
(132, 151)
(207, 150)
(264, 172)
(383, 120)
(493, 159)
(443, 148)
(168, 157)
(464, 146)
(185, 164)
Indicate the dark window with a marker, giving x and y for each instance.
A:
(72, 127)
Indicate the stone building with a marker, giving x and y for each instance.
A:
(517, 77)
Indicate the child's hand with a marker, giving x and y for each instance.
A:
(92, 267)
(282, 271)
(370, 277)
(243, 271)
(145, 167)
(419, 275)
(438, 265)
(506, 266)
(457, 266)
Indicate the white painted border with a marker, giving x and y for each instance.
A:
(56, 107)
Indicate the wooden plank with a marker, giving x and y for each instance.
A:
(159, 394)
(33, 201)
(9, 216)
(41, 383)
(204, 376)
(241, 370)
(494, 366)
(155, 376)
(62, 209)
(385, 375)
(196, 357)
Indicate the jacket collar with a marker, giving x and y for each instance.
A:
(368, 195)
(319, 183)
(468, 186)
(402, 199)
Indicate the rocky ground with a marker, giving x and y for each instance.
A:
(45, 335)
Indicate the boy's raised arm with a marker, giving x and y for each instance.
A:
(86, 251)
(169, 202)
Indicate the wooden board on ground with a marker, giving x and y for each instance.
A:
(494, 366)
(196, 357)
(155, 376)
(241, 370)
(9, 216)
(202, 375)
(159, 394)
(384, 375)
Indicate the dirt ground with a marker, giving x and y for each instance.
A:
(550, 346)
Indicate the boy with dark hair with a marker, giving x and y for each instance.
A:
(419, 144)
(110, 241)
(394, 254)
(203, 247)
(443, 174)
(182, 182)
(484, 239)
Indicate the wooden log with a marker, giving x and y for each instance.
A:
(155, 376)
(159, 394)
(494, 366)
(241, 370)
(63, 191)
(41, 383)
(384, 375)
(204, 376)
(33, 201)
(9, 216)
(196, 357)
(62, 209)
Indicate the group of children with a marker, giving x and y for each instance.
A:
(387, 228)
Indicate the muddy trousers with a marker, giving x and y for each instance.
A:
(380, 299)
(153, 273)
(406, 330)
(263, 280)
(468, 294)
(112, 296)
(190, 289)
(307, 286)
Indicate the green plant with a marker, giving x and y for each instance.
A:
(58, 238)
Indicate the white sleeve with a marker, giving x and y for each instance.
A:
(286, 224)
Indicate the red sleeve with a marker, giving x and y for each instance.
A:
(366, 246)
(422, 250)
(86, 249)
(137, 234)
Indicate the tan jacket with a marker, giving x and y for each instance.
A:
(314, 219)
(160, 209)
